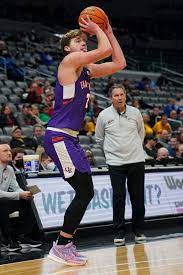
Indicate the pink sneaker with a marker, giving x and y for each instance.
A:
(64, 254)
(75, 252)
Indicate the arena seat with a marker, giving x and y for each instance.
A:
(3, 99)
(7, 130)
(15, 99)
(6, 91)
(5, 138)
(84, 139)
(85, 146)
(97, 152)
(22, 85)
(27, 131)
(99, 161)
(10, 83)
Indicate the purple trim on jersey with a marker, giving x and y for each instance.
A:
(73, 147)
(71, 103)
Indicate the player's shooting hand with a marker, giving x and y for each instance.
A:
(88, 26)
(108, 29)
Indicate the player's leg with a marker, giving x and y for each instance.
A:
(63, 152)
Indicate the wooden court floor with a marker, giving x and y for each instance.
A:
(163, 257)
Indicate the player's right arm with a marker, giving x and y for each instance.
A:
(104, 49)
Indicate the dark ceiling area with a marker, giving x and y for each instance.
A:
(138, 15)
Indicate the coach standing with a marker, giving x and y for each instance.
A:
(120, 130)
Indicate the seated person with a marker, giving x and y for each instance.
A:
(18, 140)
(179, 151)
(7, 119)
(147, 127)
(46, 163)
(13, 198)
(17, 159)
(150, 146)
(161, 125)
(89, 156)
(162, 156)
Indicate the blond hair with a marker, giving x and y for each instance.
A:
(66, 39)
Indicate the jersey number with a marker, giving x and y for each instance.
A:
(87, 100)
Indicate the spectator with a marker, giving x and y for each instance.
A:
(126, 84)
(46, 58)
(17, 159)
(161, 125)
(13, 198)
(162, 80)
(140, 104)
(179, 151)
(180, 138)
(14, 72)
(35, 114)
(172, 105)
(150, 146)
(25, 117)
(147, 127)
(172, 147)
(180, 117)
(163, 139)
(35, 93)
(46, 163)
(90, 126)
(38, 134)
(49, 100)
(89, 156)
(155, 116)
(7, 119)
(162, 156)
(18, 140)
(44, 114)
(143, 83)
(110, 82)
(173, 114)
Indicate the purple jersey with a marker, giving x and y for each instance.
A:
(71, 103)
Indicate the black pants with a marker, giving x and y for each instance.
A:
(25, 220)
(83, 186)
(134, 173)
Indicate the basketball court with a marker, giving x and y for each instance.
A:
(157, 257)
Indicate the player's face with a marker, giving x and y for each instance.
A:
(118, 98)
(78, 44)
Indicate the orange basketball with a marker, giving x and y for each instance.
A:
(95, 14)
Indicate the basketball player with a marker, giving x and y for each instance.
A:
(72, 93)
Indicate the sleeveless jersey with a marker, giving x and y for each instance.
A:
(71, 103)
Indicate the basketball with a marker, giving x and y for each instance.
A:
(97, 15)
